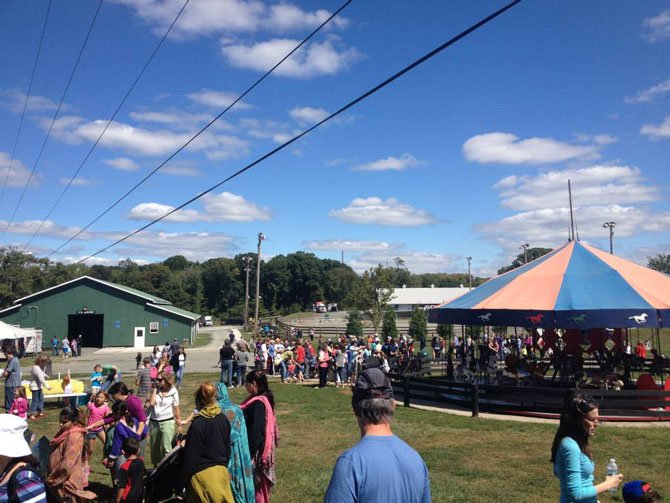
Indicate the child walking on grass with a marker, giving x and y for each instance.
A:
(20, 404)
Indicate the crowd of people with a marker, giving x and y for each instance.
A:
(226, 452)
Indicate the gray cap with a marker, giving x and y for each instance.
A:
(373, 383)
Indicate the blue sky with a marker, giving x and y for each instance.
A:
(467, 155)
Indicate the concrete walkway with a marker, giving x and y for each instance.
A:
(198, 359)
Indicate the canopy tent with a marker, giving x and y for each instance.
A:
(575, 286)
(9, 332)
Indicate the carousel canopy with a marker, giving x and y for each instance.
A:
(575, 286)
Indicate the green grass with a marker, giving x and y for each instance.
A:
(203, 339)
(470, 460)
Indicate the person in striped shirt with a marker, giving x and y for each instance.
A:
(19, 480)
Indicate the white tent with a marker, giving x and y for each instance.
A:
(31, 336)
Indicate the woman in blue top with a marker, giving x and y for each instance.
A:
(571, 453)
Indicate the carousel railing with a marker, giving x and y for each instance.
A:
(625, 404)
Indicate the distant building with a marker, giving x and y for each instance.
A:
(104, 313)
(404, 300)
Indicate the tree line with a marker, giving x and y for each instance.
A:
(288, 283)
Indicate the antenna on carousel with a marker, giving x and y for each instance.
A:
(572, 220)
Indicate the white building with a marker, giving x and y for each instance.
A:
(404, 300)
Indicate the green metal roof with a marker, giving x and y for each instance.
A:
(132, 291)
(175, 310)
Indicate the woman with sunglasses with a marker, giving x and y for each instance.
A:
(571, 453)
(68, 461)
(165, 416)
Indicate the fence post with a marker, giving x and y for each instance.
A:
(405, 391)
(475, 400)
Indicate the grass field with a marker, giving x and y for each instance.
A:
(470, 460)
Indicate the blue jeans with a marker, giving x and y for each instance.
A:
(54, 351)
(227, 372)
(37, 401)
(241, 374)
(283, 371)
(180, 375)
(9, 397)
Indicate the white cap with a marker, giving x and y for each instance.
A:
(13, 443)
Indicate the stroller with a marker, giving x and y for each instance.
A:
(165, 480)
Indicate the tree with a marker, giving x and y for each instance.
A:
(418, 326)
(373, 293)
(354, 323)
(531, 254)
(389, 327)
(660, 262)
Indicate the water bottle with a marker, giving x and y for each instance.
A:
(612, 469)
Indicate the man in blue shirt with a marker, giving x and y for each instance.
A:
(381, 468)
(12, 377)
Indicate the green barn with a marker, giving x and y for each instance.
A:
(104, 313)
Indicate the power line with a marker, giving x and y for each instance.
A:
(281, 147)
(204, 128)
(25, 102)
(95, 144)
(53, 120)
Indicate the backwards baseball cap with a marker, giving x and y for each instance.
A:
(12, 431)
(634, 490)
(373, 383)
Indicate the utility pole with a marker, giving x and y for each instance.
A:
(247, 266)
(469, 259)
(261, 237)
(611, 226)
(524, 247)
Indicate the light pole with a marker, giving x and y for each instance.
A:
(469, 259)
(261, 237)
(611, 226)
(247, 265)
(524, 247)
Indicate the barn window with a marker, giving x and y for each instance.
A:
(153, 327)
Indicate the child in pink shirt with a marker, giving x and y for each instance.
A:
(97, 409)
(20, 404)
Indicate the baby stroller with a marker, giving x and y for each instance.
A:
(165, 480)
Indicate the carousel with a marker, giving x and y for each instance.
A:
(579, 318)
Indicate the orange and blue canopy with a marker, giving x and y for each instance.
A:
(575, 286)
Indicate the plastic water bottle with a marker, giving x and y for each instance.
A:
(612, 469)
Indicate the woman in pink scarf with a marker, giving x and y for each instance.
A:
(68, 462)
(262, 431)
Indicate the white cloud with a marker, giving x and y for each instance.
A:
(80, 181)
(142, 141)
(210, 17)
(418, 262)
(196, 246)
(310, 61)
(49, 229)
(173, 118)
(600, 194)
(657, 28)
(228, 207)
(13, 99)
(218, 99)
(152, 211)
(180, 169)
(122, 163)
(599, 185)
(352, 245)
(223, 207)
(390, 163)
(657, 132)
(376, 211)
(309, 115)
(650, 94)
(17, 175)
(506, 148)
